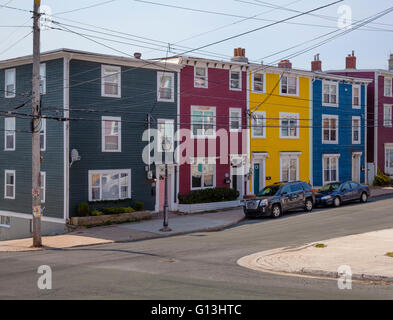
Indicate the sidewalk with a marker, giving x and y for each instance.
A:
(364, 253)
(132, 231)
(380, 191)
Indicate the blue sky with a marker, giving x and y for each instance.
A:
(171, 25)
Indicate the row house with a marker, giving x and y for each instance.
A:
(96, 156)
(379, 114)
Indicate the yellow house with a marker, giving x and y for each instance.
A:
(280, 109)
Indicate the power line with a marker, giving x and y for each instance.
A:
(88, 7)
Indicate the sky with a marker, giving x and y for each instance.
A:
(189, 29)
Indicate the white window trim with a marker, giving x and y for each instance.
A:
(290, 156)
(159, 76)
(391, 116)
(325, 104)
(384, 86)
(263, 113)
(330, 156)
(43, 125)
(6, 135)
(239, 110)
(263, 79)
(165, 121)
(289, 94)
(360, 130)
(118, 69)
(240, 80)
(6, 93)
(43, 186)
(103, 119)
(8, 226)
(354, 106)
(207, 77)
(204, 161)
(43, 66)
(5, 184)
(330, 116)
(388, 146)
(111, 172)
(203, 136)
(287, 115)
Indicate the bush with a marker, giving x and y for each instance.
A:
(83, 209)
(117, 210)
(382, 179)
(139, 206)
(209, 195)
(96, 213)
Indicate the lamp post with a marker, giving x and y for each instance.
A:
(166, 147)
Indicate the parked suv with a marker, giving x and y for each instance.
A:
(278, 198)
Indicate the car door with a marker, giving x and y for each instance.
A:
(285, 198)
(346, 192)
(355, 191)
(296, 197)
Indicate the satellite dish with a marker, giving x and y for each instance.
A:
(74, 156)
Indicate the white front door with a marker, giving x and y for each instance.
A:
(356, 167)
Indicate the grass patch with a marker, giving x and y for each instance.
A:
(320, 245)
(389, 254)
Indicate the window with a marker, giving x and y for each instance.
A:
(289, 125)
(356, 130)
(258, 124)
(111, 81)
(10, 83)
(388, 87)
(203, 175)
(296, 187)
(235, 119)
(258, 82)
(387, 116)
(5, 222)
(389, 158)
(43, 186)
(356, 96)
(9, 134)
(330, 168)
(9, 184)
(330, 93)
(288, 85)
(235, 81)
(109, 185)
(330, 129)
(200, 77)
(111, 134)
(43, 78)
(43, 135)
(203, 121)
(289, 168)
(165, 87)
(165, 135)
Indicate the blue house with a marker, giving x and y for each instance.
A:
(339, 129)
(96, 109)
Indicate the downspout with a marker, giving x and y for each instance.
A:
(376, 101)
(311, 136)
(365, 135)
(248, 132)
(66, 136)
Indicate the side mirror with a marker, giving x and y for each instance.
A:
(345, 189)
(284, 193)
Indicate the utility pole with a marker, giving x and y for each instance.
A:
(36, 124)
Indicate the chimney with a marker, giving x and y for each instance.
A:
(316, 65)
(137, 55)
(239, 55)
(391, 62)
(285, 64)
(351, 61)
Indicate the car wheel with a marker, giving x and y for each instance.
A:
(363, 197)
(276, 211)
(337, 202)
(308, 206)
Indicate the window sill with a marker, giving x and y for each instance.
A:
(253, 137)
(290, 138)
(165, 100)
(111, 151)
(329, 142)
(235, 89)
(289, 94)
(329, 105)
(110, 96)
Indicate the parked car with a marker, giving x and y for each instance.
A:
(338, 192)
(278, 198)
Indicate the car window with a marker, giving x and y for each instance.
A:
(306, 186)
(286, 189)
(296, 187)
(346, 186)
(269, 191)
(354, 185)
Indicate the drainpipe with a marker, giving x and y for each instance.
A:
(376, 102)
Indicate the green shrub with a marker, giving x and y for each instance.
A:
(96, 213)
(117, 210)
(382, 179)
(83, 209)
(209, 195)
(139, 206)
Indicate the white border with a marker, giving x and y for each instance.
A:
(103, 67)
(211, 109)
(43, 186)
(360, 130)
(353, 96)
(330, 116)
(253, 80)
(206, 77)
(328, 104)
(43, 126)
(239, 110)
(160, 74)
(297, 86)
(6, 135)
(391, 115)
(113, 172)
(288, 115)
(6, 93)
(290, 156)
(5, 184)
(103, 119)
(330, 156)
(263, 113)
(43, 67)
(240, 80)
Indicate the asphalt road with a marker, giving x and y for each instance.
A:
(197, 266)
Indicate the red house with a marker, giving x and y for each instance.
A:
(379, 114)
(213, 106)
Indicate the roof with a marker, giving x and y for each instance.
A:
(379, 71)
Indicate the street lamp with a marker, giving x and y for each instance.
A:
(166, 147)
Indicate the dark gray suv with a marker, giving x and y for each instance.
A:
(278, 198)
